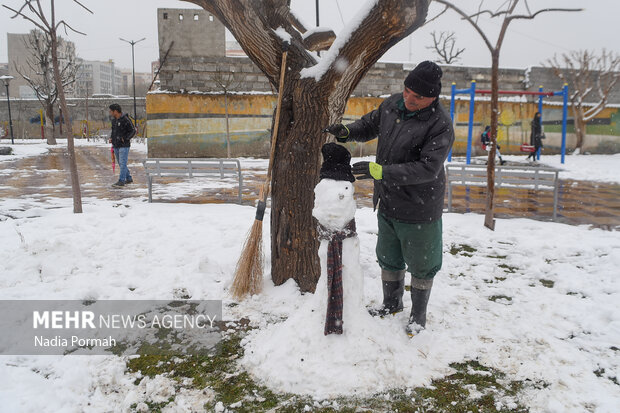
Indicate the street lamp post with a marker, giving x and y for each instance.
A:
(133, 74)
(6, 79)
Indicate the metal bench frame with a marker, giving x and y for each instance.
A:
(541, 178)
(191, 167)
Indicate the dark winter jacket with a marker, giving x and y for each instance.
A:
(122, 132)
(484, 138)
(412, 148)
(536, 135)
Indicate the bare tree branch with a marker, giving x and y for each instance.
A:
(533, 15)
(586, 72)
(19, 13)
(444, 45)
(432, 19)
(470, 20)
(67, 26)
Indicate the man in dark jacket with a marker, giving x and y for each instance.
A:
(415, 135)
(122, 132)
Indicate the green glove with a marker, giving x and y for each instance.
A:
(367, 170)
(376, 171)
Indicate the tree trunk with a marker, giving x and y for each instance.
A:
(489, 220)
(580, 128)
(49, 125)
(227, 125)
(75, 182)
(294, 242)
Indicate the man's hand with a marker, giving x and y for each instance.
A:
(340, 131)
(367, 170)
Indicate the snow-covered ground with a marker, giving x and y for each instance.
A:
(536, 300)
(23, 148)
(599, 168)
(34, 147)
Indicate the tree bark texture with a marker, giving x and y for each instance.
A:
(489, 220)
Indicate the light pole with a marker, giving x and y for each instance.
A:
(133, 74)
(6, 79)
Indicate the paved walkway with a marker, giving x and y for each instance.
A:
(46, 176)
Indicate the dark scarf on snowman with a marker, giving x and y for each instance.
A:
(333, 318)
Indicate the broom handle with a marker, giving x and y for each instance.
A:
(274, 135)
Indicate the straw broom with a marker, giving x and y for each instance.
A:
(249, 272)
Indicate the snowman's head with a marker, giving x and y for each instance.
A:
(334, 205)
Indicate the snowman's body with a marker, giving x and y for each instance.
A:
(334, 208)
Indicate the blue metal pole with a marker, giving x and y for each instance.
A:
(564, 116)
(452, 94)
(470, 129)
(540, 110)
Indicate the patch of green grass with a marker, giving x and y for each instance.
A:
(499, 257)
(487, 384)
(462, 249)
(472, 387)
(547, 283)
(508, 268)
(494, 298)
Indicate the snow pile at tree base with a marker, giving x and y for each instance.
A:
(371, 355)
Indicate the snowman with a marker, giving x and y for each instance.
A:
(339, 293)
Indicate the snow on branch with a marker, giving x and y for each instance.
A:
(317, 71)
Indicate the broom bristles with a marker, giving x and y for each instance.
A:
(249, 272)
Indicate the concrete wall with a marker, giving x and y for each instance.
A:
(195, 32)
(23, 110)
(197, 73)
(193, 125)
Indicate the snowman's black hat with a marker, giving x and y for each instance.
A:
(336, 163)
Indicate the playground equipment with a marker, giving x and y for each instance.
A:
(471, 91)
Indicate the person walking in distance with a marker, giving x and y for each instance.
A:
(414, 134)
(122, 132)
(485, 140)
(536, 136)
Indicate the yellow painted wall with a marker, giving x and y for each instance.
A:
(194, 124)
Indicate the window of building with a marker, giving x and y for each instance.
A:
(195, 17)
(165, 16)
(180, 17)
(210, 17)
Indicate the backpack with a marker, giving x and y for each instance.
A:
(134, 130)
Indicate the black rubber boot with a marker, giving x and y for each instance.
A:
(419, 302)
(392, 293)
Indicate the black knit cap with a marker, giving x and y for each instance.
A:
(336, 163)
(425, 79)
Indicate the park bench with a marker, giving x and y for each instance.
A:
(192, 167)
(528, 177)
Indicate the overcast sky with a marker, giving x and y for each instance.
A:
(529, 42)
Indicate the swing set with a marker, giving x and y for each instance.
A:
(471, 91)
